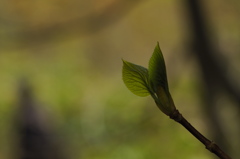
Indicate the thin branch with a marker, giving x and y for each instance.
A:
(210, 145)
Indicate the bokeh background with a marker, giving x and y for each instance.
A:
(61, 92)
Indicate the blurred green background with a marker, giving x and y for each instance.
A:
(70, 52)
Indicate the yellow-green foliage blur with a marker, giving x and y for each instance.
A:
(70, 52)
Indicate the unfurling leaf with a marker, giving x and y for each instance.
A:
(157, 70)
(153, 81)
(159, 83)
(135, 78)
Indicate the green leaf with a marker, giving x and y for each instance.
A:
(159, 83)
(135, 78)
(157, 70)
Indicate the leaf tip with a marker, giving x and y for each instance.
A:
(158, 47)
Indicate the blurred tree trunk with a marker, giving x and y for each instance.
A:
(213, 76)
(36, 140)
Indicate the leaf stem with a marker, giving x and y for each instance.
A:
(210, 145)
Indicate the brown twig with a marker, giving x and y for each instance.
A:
(210, 145)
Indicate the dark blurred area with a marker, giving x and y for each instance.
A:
(61, 90)
(33, 130)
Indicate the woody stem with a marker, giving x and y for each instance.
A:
(210, 145)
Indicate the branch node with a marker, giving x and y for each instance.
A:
(175, 115)
(211, 146)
